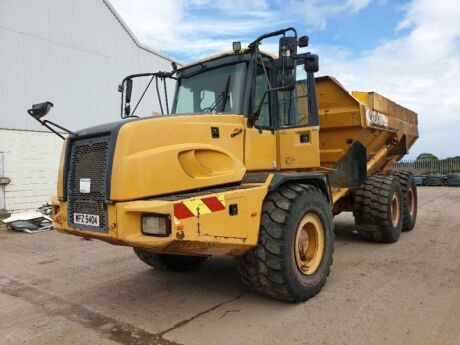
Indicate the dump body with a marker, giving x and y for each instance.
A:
(365, 116)
(386, 129)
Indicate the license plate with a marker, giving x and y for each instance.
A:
(86, 219)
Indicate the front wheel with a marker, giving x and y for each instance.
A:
(169, 262)
(296, 243)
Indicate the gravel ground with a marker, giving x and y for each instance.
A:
(59, 289)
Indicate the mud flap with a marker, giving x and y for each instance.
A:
(351, 170)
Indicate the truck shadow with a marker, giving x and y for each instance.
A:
(216, 280)
(169, 297)
(345, 229)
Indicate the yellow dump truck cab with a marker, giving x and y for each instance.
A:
(252, 161)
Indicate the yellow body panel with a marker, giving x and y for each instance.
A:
(260, 150)
(165, 155)
(60, 179)
(204, 233)
(297, 155)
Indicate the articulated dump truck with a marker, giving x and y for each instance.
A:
(252, 158)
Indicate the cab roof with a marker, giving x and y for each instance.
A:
(224, 54)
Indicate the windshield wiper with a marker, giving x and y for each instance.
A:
(225, 95)
(221, 99)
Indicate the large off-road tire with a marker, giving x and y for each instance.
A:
(378, 208)
(453, 180)
(170, 262)
(409, 197)
(296, 244)
(435, 180)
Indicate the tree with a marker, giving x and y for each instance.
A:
(427, 157)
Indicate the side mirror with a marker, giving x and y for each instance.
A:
(39, 110)
(128, 93)
(129, 90)
(303, 41)
(311, 63)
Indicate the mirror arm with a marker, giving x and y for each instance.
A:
(132, 114)
(158, 95)
(166, 95)
(272, 34)
(301, 58)
(47, 124)
(59, 126)
(160, 74)
(52, 130)
(259, 55)
(156, 75)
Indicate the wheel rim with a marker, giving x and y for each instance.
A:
(411, 201)
(395, 214)
(309, 244)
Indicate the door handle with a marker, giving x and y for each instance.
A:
(236, 132)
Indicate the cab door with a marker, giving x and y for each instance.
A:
(260, 141)
(298, 127)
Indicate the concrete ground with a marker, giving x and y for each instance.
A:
(59, 289)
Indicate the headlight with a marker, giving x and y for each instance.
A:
(156, 225)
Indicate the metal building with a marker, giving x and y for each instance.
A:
(74, 54)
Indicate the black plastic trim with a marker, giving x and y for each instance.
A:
(255, 178)
(351, 170)
(316, 179)
(111, 129)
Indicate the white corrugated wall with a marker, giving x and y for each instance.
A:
(74, 54)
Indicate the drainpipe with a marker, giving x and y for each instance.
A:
(3, 182)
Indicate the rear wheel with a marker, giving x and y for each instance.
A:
(409, 198)
(378, 208)
(170, 262)
(296, 243)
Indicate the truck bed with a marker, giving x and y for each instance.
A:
(385, 128)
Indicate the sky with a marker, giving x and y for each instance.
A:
(408, 51)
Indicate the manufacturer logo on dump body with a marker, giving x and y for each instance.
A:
(198, 207)
(377, 119)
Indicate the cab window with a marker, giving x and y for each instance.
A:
(217, 90)
(261, 86)
(293, 105)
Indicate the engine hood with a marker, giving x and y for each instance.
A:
(170, 154)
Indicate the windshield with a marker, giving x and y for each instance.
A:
(219, 90)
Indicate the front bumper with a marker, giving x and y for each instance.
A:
(220, 223)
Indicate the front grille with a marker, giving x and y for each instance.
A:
(88, 161)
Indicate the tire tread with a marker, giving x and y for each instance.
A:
(264, 269)
(370, 209)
